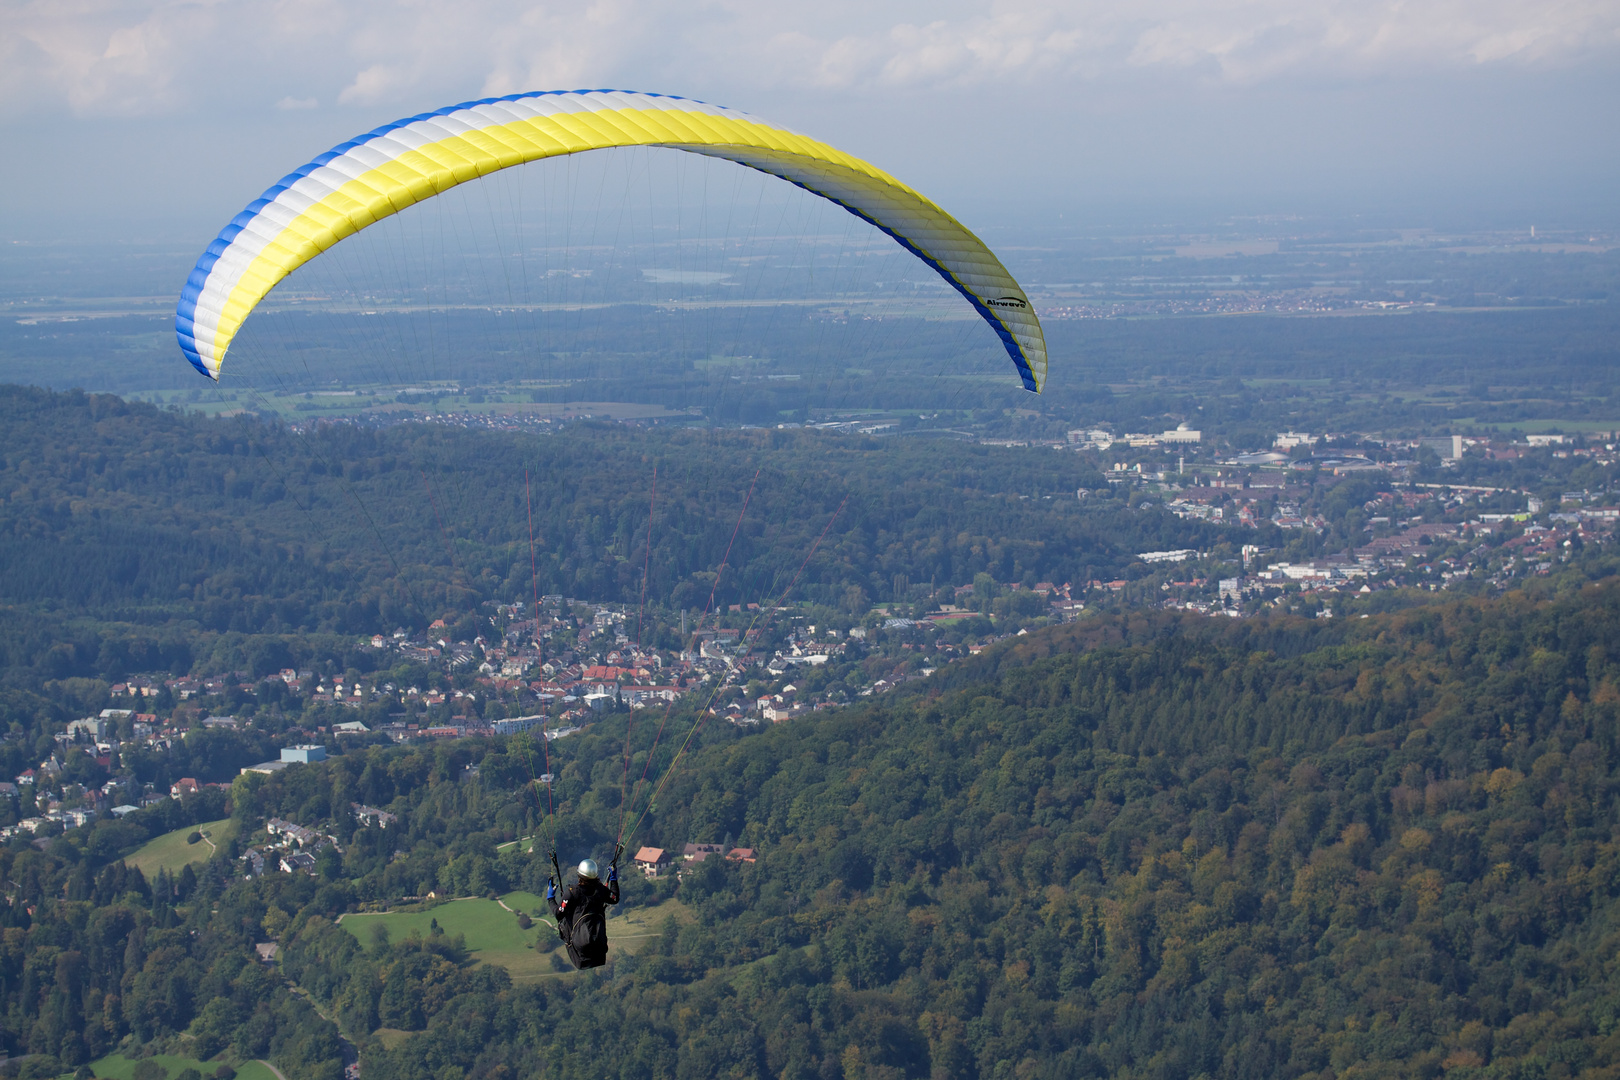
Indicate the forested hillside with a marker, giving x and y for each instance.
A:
(133, 513)
(1151, 847)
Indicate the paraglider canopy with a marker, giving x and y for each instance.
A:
(381, 173)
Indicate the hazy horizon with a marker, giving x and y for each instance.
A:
(154, 121)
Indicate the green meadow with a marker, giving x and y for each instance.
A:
(493, 935)
(171, 852)
(118, 1067)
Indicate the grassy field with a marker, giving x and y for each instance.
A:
(494, 937)
(171, 852)
(492, 933)
(527, 842)
(118, 1067)
(526, 901)
(628, 932)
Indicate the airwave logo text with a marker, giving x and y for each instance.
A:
(1008, 302)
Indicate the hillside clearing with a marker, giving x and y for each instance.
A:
(493, 935)
(119, 1067)
(171, 852)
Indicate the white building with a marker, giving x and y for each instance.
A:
(91, 727)
(1449, 447)
(1313, 571)
(1093, 438)
(1181, 555)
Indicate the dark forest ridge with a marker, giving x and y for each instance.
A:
(1142, 846)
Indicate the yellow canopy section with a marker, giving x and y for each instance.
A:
(367, 179)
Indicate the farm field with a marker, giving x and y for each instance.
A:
(627, 933)
(171, 852)
(526, 901)
(118, 1067)
(527, 842)
(494, 937)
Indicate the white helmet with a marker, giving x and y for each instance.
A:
(587, 869)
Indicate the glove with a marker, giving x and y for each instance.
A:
(551, 890)
(613, 875)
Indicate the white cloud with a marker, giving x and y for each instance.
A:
(298, 103)
(94, 57)
(377, 83)
(1231, 40)
(1246, 42)
(566, 47)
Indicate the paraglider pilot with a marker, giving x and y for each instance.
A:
(582, 914)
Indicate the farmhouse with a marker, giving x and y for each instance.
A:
(652, 860)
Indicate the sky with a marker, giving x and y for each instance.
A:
(156, 120)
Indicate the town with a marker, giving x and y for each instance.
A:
(1319, 525)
